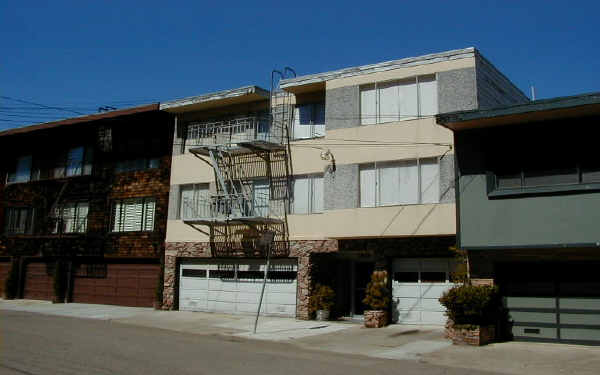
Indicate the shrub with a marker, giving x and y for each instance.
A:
(11, 284)
(377, 293)
(470, 304)
(322, 298)
(60, 281)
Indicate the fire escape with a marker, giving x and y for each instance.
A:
(251, 160)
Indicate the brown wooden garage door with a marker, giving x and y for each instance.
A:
(38, 283)
(116, 284)
(4, 270)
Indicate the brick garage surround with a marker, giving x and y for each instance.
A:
(302, 250)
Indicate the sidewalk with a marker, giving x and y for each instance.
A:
(400, 342)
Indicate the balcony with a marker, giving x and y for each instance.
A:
(230, 209)
(237, 135)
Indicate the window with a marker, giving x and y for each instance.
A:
(131, 215)
(139, 164)
(405, 99)
(75, 161)
(71, 218)
(399, 182)
(19, 220)
(22, 171)
(261, 198)
(308, 195)
(189, 201)
(309, 121)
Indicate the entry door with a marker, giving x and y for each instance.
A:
(417, 285)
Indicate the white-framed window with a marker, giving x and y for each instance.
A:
(400, 182)
(71, 218)
(190, 198)
(261, 192)
(309, 121)
(21, 171)
(18, 220)
(397, 100)
(75, 161)
(308, 194)
(132, 215)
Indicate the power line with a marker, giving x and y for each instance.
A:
(41, 105)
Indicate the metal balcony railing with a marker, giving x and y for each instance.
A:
(228, 207)
(235, 131)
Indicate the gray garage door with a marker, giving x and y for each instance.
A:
(554, 303)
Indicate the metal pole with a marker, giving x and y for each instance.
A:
(262, 292)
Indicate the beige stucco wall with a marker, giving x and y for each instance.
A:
(403, 72)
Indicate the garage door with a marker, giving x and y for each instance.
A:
(416, 286)
(234, 287)
(38, 281)
(116, 284)
(554, 303)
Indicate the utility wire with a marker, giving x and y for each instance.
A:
(41, 105)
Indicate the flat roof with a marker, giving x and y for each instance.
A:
(538, 110)
(216, 99)
(312, 79)
(81, 119)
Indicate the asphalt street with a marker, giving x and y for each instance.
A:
(36, 344)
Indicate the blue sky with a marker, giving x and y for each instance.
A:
(81, 55)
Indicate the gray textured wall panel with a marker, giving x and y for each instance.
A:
(342, 108)
(174, 202)
(457, 90)
(341, 188)
(493, 88)
(447, 179)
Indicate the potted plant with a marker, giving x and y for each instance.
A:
(321, 301)
(378, 299)
(472, 311)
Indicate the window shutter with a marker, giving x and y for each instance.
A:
(389, 176)
(388, 102)
(317, 194)
(428, 95)
(149, 211)
(68, 218)
(132, 216)
(117, 216)
(367, 185)
(82, 214)
(367, 105)
(301, 202)
(409, 182)
(430, 181)
(408, 99)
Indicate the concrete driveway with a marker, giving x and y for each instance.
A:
(420, 343)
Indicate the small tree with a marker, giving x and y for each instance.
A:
(322, 298)
(377, 293)
(472, 305)
(11, 284)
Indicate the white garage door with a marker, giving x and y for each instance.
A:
(234, 287)
(417, 284)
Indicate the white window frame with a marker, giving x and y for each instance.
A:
(311, 187)
(199, 190)
(79, 226)
(378, 115)
(118, 225)
(377, 178)
(313, 124)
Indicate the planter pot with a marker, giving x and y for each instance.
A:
(376, 318)
(157, 305)
(474, 335)
(322, 315)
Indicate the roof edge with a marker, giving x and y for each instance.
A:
(214, 96)
(378, 67)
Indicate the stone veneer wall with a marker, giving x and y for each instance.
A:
(302, 250)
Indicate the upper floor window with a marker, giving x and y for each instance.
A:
(398, 100)
(75, 161)
(309, 121)
(131, 215)
(400, 182)
(308, 194)
(71, 218)
(18, 220)
(21, 171)
(138, 154)
(139, 164)
(190, 197)
(540, 176)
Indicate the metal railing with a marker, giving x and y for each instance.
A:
(227, 207)
(234, 131)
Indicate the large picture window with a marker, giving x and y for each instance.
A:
(131, 215)
(400, 182)
(75, 161)
(405, 99)
(18, 220)
(308, 194)
(309, 121)
(71, 218)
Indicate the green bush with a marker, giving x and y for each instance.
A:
(11, 284)
(377, 293)
(469, 304)
(322, 298)
(60, 281)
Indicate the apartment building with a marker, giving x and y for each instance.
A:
(90, 193)
(370, 182)
(528, 177)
